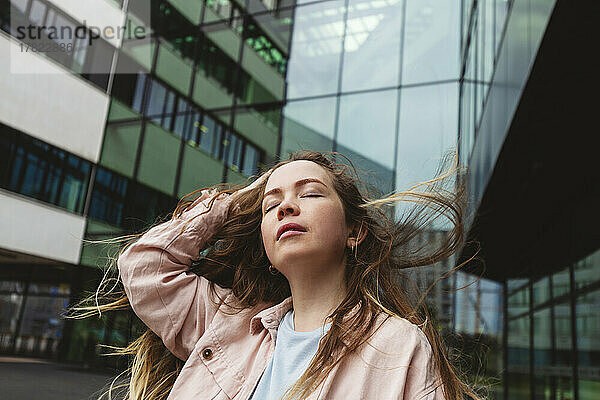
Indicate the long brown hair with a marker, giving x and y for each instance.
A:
(236, 259)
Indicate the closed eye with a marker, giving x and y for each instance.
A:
(304, 195)
(270, 208)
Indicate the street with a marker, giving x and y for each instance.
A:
(32, 379)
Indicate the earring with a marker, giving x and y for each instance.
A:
(273, 270)
(354, 246)
(354, 249)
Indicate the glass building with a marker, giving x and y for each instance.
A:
(109, 137)
(524, 133)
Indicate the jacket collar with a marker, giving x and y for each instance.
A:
(270, 318)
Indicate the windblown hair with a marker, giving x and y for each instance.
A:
(236, 259)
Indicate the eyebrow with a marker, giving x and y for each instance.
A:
(299, 183)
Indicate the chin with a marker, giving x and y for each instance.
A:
(294, 255)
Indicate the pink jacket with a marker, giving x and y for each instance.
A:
(226, 354)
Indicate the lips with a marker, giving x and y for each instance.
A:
(289, 227)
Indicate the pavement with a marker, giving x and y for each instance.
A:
(32, 379)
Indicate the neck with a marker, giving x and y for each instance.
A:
(315, 296)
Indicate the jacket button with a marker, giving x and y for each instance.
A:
(207, 353)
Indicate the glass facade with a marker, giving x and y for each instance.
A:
(549, 333)
(553, 334)
(353, 85)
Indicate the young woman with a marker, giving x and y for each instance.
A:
(289, 288)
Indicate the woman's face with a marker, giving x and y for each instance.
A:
(303, 223)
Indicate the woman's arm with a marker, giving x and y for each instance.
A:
(172, 301)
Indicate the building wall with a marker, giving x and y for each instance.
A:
(548, 333)
(31, 228)
(69, 113)
(500, 43)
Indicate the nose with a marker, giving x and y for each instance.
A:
(287, 207)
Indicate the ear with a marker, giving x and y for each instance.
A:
(357, 235)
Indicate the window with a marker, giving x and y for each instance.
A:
(251, 159)
(129, 87)
(156, 104)
(108, 197)
(208, 134)
(41, 171)
(263, 46)
(216, 64)
(232, 151)
(92, 63)
(221, 7)
(126, 203)
(182, 119)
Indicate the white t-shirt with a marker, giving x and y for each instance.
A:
(293, 353)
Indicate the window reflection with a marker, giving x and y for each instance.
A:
(174, 112)
(556, 333)
(251, 160)
(372, 33)
(315, 132)
(232, 151)
(588, 344)
(156, 103)
(587, 270)
(541, 291)
(365, 115)
(427, 130)
(561, 283)
(543, 352)
(431, 41)
(125, 203)
(267, 50)
(317, 36)
(518, 359)
(182, 120)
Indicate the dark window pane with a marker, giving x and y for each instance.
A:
(208, 134)
(215, 63)
(168, 111)
(41, 171)
(251, 158)
(108, 197)
(143, 206)
(157, 101)
(139, 92)
(128, 86)
(232, 147)
(182, 119)
(125, 203)
(195, 126)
